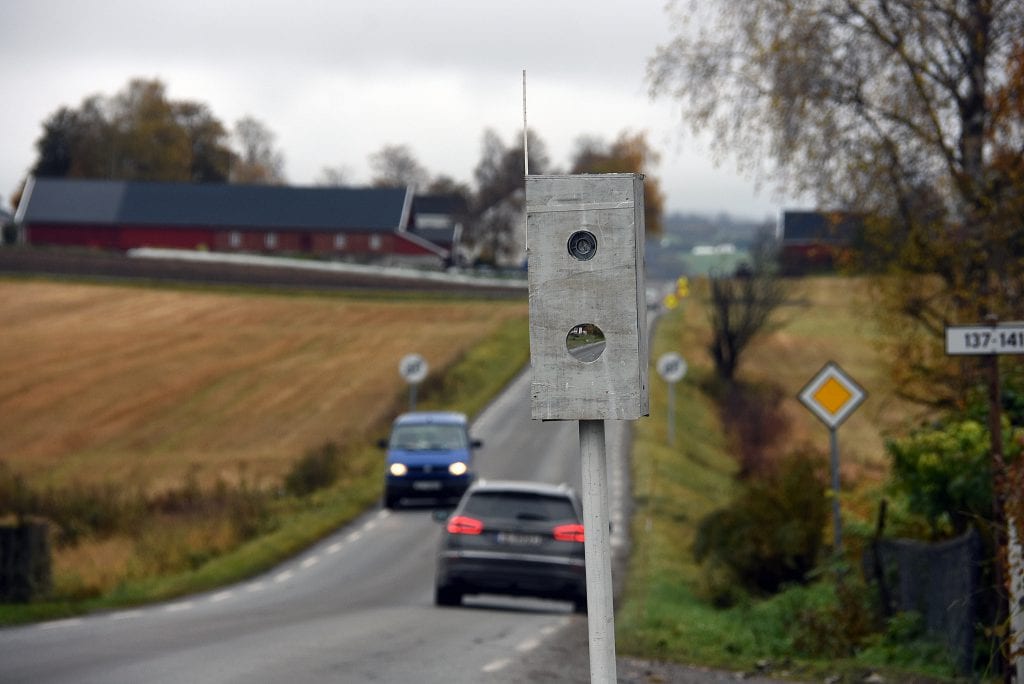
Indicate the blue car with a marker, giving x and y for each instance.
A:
(429, 456)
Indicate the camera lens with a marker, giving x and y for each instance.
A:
(582, 245)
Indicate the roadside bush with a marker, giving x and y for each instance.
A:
(830, 618)
(770, 534)
(248, 508)
(754, 419)
(905, 643)
(15, 497)
(946, 473)
(839, 625)
(319, 468)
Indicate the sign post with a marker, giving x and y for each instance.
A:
(588, 346)
(832, 396)
(414, 369)
(672, 368)
(993, 341)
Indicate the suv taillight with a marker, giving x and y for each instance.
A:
(569, 533)
(462, 524)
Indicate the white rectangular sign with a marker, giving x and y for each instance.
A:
(985, 340)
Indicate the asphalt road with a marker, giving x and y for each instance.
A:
(358, 607)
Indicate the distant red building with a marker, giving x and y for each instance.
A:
(815, 241)
(359, 224)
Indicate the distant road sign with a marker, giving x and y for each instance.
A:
(973, 340)
(413, 368)
(671, 367)
(832, 395)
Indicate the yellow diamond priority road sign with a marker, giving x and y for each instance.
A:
(832, 395)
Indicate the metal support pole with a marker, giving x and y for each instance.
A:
(837, 523)
(998, 466)
(412, 395)
(597, 551)
(671, 414)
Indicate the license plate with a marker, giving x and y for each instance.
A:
(516, 539)
(426, 485)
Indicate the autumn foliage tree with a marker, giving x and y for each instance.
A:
(628, 153)
(137, 134)
(906, 111)
(397, 166)
(258, 161)
(499, 204)
(903, 110)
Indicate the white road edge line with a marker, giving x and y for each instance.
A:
(334, 548)
(126, 615)
(310, 562)
(57, 624)
(283, 576)
(221, 596)
(178, 607)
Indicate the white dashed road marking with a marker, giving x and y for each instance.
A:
(528, 645)
(497, 665)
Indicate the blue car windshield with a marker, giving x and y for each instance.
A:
(432, 437)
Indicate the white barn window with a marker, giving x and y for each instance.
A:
(375, 243)
(234, 239)
(340, 241)
(270, 240)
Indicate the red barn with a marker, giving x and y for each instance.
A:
(360, 224)
(814, 241)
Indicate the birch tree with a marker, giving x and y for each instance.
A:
(905, 110)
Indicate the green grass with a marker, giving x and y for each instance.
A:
(662, 612)
(673, 488)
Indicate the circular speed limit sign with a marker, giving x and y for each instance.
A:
(671, 367)
(413, 368)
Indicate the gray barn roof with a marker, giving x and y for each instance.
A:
(59, 200)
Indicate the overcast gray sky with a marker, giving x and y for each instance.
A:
(336, 81)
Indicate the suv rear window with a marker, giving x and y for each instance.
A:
(519, 505)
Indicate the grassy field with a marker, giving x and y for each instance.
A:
(663, 613)
(180, 413)
(142, 386)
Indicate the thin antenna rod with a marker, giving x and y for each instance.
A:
(526, 153)
(526, 165)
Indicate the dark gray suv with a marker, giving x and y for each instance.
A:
(515, 538)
